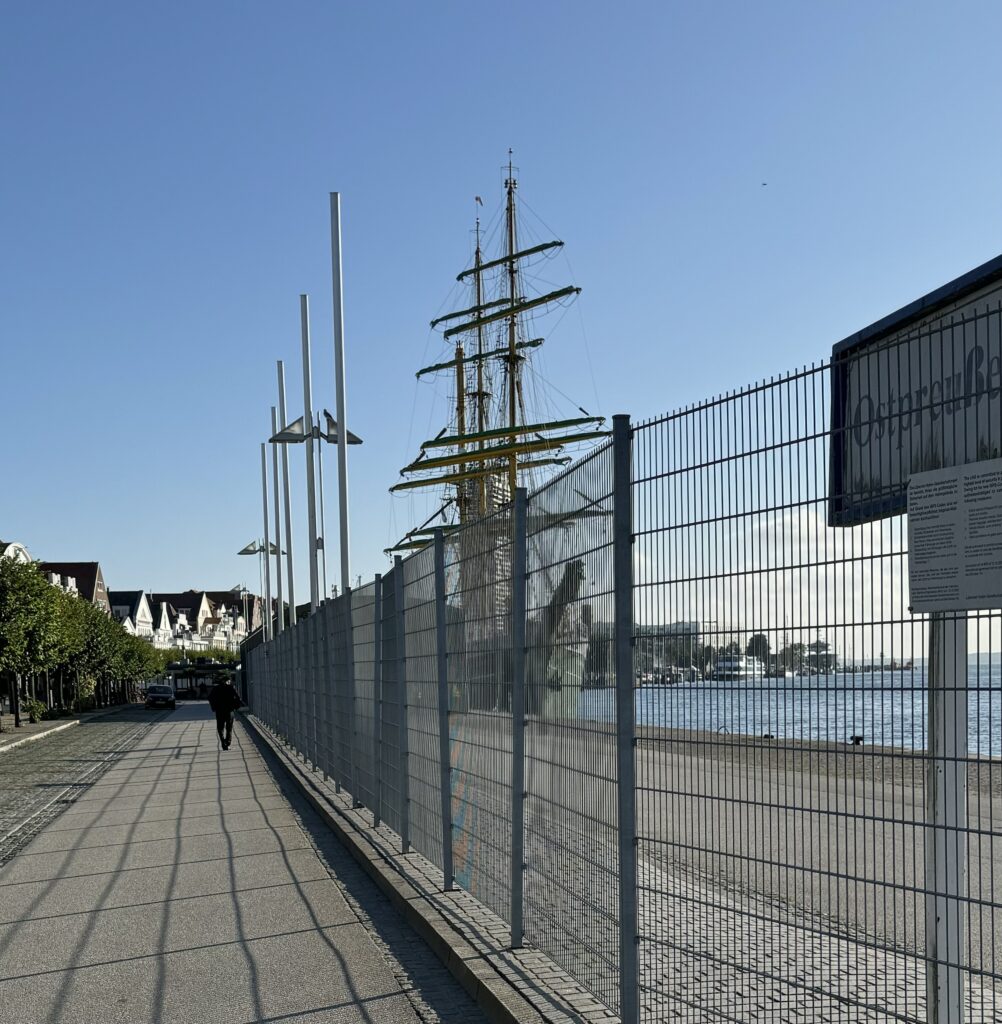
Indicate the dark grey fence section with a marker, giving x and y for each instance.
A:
(364, 636)
(414, 710)
(751, 784)
(571, 825)
(820, 826)
(341, 754)
(424, 775)
(393, 782)
(478, 627)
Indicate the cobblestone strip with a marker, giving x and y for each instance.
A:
(710, 954)
(40, 780)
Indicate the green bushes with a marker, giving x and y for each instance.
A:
(35, 710)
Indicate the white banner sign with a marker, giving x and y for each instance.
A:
(955, 538)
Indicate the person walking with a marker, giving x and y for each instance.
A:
(224, 700)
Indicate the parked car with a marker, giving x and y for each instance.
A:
(160, 697)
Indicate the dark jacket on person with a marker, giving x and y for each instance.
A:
(223, 699)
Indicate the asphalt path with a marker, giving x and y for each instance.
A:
(154, 877)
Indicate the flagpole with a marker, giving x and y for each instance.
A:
(311, 493)
(323, 520)
(286, 487)
(267, 560)
(341, 412)
(278, 522)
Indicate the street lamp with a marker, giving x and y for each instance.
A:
(295, 433)
(262, 550)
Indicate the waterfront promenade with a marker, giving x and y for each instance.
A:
(187, 884)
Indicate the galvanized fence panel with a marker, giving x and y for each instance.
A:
(341, 703)
(423, 762)
(478, 625)
(571, 825)
(363, 618)
(324, 624)
(793, 861)
(393, 717)
(816, 815)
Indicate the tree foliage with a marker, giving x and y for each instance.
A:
(29, 619)
(758, 647)
(43, 629)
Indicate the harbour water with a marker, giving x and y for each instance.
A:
(884, 708)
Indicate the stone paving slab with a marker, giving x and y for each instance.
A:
(130, 855)
(236, 916)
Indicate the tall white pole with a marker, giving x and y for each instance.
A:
(341, 411)
(260, 580)
(283, 423)
(323, 518)
(278, 522)
(311, 491)
(267, 561)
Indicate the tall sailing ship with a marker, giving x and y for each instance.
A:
(494, 443)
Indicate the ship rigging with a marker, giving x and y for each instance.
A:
(494, 441)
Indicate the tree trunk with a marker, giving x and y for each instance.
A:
(15, 700)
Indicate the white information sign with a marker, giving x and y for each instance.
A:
(955, 538)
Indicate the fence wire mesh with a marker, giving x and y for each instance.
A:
(393, 783)
(478, 610)
(784, 813)
(339, 691)
(571, 826)
(424, 773)
(818, 768)
(363, 626)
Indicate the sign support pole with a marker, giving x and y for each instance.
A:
(626, 770)
(946, 818)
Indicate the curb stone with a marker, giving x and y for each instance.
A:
(14, 744)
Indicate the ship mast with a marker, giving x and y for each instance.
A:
(480, 454)
(481, 395)
(462, 496)
(510, 186)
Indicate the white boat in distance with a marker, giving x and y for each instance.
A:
(737, 667)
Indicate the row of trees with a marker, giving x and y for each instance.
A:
(60, 650)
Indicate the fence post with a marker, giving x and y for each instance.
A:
(404, 739)
(310, 684)
(622, 554)
(310, 721)
(444, 752)
(349, 660)
(289, 682)
(302, 692)
(946, 818)
(326, 676)
(377, 700)
(518, 602)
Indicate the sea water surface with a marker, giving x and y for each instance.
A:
(885, 708)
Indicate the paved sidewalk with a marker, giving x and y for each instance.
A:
(189, 885)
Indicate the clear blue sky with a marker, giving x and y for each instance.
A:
(164, 200)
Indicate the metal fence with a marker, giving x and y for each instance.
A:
(681, 732)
